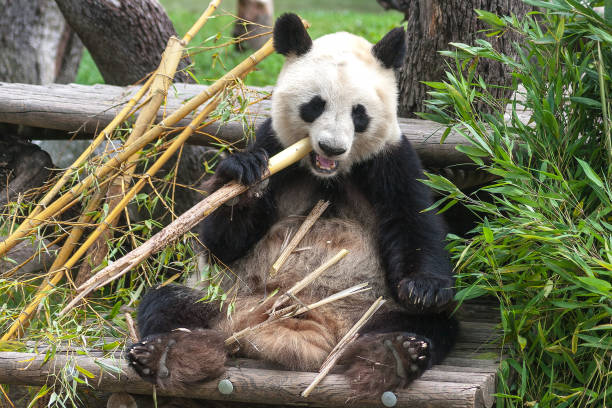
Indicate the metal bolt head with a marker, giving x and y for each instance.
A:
(388, 399)
(225, 387)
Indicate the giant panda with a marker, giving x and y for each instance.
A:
(340, 91)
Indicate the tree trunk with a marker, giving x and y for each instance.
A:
(23, 166)
(255, 20)
(125, 37)
(36, 44)
(432, 25)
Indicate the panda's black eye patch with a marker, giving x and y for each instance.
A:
(312, 109)
(361, 120)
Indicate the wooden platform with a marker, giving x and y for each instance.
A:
(85, 109)
(466, 379)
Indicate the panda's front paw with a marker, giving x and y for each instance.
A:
(243, 167)
(425, 293)
(381, 362)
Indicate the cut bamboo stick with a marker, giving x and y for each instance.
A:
(353, 290)
(131, 327)
(294, 310)
(336, 353)
(56, 270)
(185, 222)
(308, 279)
(314, 215)
(30, 225)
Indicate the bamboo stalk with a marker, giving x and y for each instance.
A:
(57, 271)
(336, 353)
(103, 135)
(116, 211)
(308, 279)
(121, 116)
(212, 6)
(314, 215)
(185, 222)
(163, 79)
(31, 224)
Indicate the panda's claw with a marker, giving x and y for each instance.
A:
(422, 293)
(139, 356)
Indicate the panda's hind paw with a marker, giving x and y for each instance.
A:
(380, 362)
(140, 356)
(178, 358)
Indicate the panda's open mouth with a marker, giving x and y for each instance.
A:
(322, 164)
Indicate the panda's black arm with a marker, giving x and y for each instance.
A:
(411, 242)
(231, 231)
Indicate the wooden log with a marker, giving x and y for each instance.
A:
(85, 109)
(42, 258)
(436, 390)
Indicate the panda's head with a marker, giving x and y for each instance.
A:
(340, 91)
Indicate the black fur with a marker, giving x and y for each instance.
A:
(230, 231)
(312, 109)
(391, 49)
(171, 307)
(411, 242)
(361, 120)
(290, 36)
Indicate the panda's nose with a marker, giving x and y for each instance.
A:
(331, 150)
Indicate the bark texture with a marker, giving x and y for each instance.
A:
(255, 20)
(125, 37)
(36, 44)
(431, 26)
(23, 166)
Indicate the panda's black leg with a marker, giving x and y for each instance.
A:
(396, 349)
(176, 346)
(170, 307)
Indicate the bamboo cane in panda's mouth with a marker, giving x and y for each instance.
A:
(185, 222)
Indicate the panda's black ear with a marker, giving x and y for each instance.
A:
(391, 49)
(290, 36)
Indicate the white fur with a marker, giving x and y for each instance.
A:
(341, 69)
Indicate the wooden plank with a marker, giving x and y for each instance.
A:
(83, 108)
(251, 385)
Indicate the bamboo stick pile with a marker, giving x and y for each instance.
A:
(109, 183)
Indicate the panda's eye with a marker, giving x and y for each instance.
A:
(312, 109)
(361, 120)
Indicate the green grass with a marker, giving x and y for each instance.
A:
(210, 61)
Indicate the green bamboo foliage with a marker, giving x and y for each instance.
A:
(543, 242)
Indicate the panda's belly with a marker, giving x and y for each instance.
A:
(325, 239)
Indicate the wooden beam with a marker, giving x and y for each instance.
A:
(437, 388)
(85, 109)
